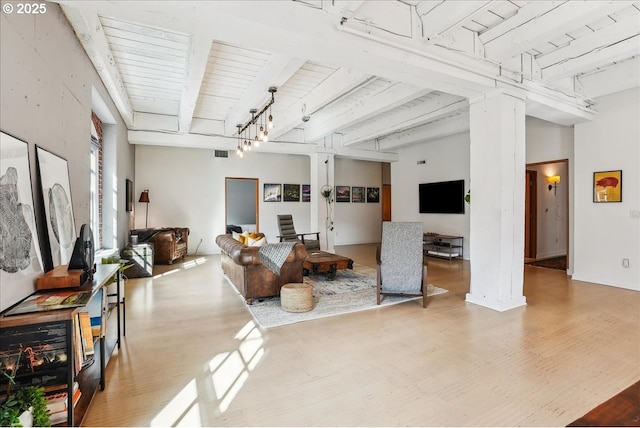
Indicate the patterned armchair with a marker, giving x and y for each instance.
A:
(401, 270)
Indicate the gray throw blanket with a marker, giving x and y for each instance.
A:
(274, 255)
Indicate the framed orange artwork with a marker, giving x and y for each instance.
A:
(607, 186)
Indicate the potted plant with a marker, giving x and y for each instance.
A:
(26, 407)
(327, 193)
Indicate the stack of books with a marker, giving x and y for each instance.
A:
(58, 404)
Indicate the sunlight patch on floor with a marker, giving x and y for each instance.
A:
(184, 266)
(225, 373)
(179, 408)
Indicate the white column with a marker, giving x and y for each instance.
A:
(322, 173)
(497, 130)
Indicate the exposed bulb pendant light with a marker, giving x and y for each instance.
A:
(245, 140)
(239, 147)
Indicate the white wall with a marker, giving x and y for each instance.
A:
(551, 238)
(45, 100)
(446, 159)
(358, 223)
(186, 188)
(607, 233)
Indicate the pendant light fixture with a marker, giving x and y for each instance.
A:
(245, 140)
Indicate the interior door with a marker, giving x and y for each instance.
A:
(241, 202)
(530, 214)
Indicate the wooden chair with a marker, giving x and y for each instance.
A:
(401, 271)
(288, 233)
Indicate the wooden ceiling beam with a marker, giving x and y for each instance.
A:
(390, 98)
(542, 28)
(194, 74)
(278, 69)
(94, 41)
(438, 107)
(336, 85)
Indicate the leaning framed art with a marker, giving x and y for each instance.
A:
(607, 186)
(21, 263)
(58, 207)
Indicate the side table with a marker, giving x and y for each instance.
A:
(141, 255)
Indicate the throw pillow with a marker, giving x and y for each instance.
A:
(235, 236)
(256, 242)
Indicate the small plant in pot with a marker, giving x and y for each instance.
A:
(26, 406)
(29, 398)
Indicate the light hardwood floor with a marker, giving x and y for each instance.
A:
(193, 356)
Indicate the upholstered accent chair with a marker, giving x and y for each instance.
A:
(401, 270)
(288, 233)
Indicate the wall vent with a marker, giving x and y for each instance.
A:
(221, 154)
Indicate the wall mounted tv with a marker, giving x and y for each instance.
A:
(445, 197)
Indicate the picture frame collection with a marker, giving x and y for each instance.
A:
(276, 192)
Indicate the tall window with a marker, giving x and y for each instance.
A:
(96, 180)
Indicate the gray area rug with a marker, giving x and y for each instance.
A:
(351, 291)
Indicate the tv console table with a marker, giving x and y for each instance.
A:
(443, 246)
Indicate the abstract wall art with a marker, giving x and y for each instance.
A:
(20, 258)
(58, 207)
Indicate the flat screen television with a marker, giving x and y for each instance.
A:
(444, 197)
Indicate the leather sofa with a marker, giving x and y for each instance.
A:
(169, 243)
(242, 265)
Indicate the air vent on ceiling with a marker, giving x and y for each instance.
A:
(221, 154)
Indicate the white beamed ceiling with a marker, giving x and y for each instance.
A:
(379, 74)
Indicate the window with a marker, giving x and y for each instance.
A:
(96, 180)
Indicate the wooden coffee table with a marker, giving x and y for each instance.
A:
(323, 262)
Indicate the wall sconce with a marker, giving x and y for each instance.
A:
(553, 182)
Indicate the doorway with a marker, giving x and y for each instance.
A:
(241, 203)
(547, 213)
(531, 215)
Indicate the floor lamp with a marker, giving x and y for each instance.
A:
(144, 198)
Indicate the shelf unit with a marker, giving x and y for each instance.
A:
(443, 246)
(57, 327)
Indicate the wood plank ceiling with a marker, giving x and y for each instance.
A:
(370, 76)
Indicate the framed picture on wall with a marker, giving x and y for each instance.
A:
(343, 194)
(291, 193)
(373, 194)
(272, 192)
(357, 194)
(306, 193)
(58, 207)
(607, 186)
(129, 195)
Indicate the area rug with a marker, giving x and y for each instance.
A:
(351, 291)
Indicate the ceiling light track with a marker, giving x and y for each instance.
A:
(245, 141)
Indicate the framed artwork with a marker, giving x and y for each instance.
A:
(129, 195)
(306, 193)
(373, 194)
(272, 192)
(343, 194)
(607, 186)
(291, 193)
(21, 263)
(58, 207)
(357, 194)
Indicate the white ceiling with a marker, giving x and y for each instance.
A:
(371, 75)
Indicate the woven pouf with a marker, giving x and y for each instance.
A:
(296, 297)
